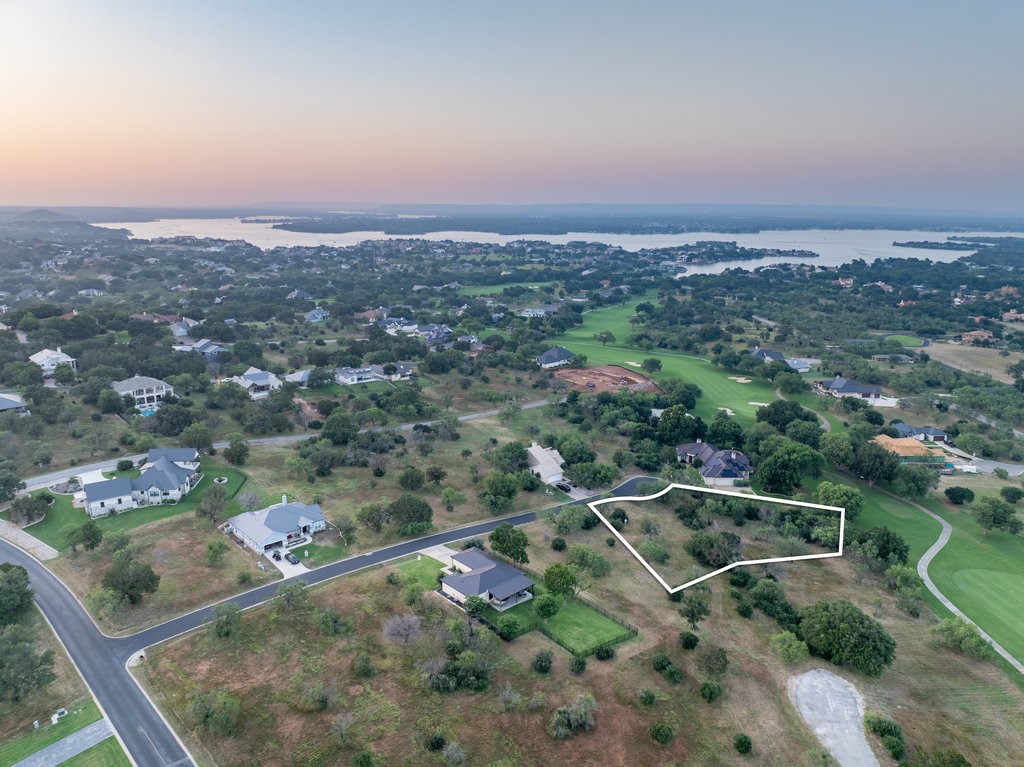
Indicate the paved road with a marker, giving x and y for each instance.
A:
(985, 465)
(147, 737)
(922, 570)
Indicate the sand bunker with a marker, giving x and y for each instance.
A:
(728, 411)
(758, 404)
(631, 363)
(739, 379)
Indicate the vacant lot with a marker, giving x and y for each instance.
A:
(599, 378)
(975, 359)
(940, 699)
(174, 547)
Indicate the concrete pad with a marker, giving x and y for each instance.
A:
(834, 710)
(441, 553)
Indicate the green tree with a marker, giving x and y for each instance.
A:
(110, 402)
(561, 580)
(64, 374)
(410, 478)
(509, 458)
(790, 647)
(436, 474)
(226, 620)
(197, 435)
(915, 481)
(838, 631)
(695, 605)
(451, 498)
(338, 428)
(651, 365)
(676, 426)
(292, 597)
(27, 509)
(409, 509)
(725, 433)
(87, 535)
(837, 448)
(15, 593)
(546, 606)
(875, 463)
(510, 541)
(475, 606)
(237, 451)
(22, 669)
(960, 636)
(131, 577)
(605, 337)
(213, 504)
(994, 514)
(959, 495)
(9, 484)
(844, 496)
(781, 413)
(213, 556)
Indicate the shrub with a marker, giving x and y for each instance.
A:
(744, 609)
(660, 662)
(673, 674)
(958, 635)
(688, 640)
(894, 746)
(363, 666)
(363, 759)
(604, 652)
(882, 727)
(244, 578)
(839, 631)
(393, 579)
(661, 733)
(436, 741)
(453, 754)
(542, 662)
(609, 541)
(739, 579)
(959, 495)
(509, 627)
(558, 544)
(1011, 494)
(647, 697)
(713, 659)
(125, 464)
(711, 691)
(566, 721)
(578, 665)
(789, 647)
(742, 743)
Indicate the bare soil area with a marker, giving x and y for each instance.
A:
(606, 378)
(834, 710)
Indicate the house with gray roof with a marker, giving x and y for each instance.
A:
(554, 358)
(148, 393)
(474, 574)
(844, 387)
(12, 403)
(185, 457)
(204, 347)
(168, 476)
(282, 525)
(718, 468)
(257, 383)
(111, 496)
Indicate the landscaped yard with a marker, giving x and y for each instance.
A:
(79, 715)
(51, 528)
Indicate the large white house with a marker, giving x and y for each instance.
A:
(48, 360)
(545, 462)
(168, 476)
(148, 393)
(279, 526)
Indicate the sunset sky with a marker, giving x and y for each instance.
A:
(911, 104)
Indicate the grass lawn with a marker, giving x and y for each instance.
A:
(79, 715)
(327, 551)
(905, 340)
(983, 575)
(576, 626)
(106, 753)
(487, 290)
(422, 572)
(50, 528)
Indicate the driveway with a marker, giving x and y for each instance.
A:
(287, 567)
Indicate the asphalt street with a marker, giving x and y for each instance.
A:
(148, 738)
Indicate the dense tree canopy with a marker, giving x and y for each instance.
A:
(839, 631)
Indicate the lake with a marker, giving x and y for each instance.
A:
(834, 246)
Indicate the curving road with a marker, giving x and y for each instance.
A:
(146, 735)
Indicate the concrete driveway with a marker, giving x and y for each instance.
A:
(287, 567)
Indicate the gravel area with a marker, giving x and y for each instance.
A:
(834, 711)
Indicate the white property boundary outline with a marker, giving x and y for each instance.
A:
(714, 491)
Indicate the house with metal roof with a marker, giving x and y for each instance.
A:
(718, 468)
(48, 360)
(257, 383)
(476, 574)
(282, 525)
(844, 387)
(111, 496)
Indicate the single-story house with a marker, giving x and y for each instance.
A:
(545, 463)
(799, 364)
(896, 359)
(718, 468)
(48, 360)
(148, 393)
(204, 347)
(844, 387)
(300, 377)
(476, 574)
(920, 433)
(317, 315)
(279, 526)
(258, 383)
(554, 358)
(300, 294)
(349, 376)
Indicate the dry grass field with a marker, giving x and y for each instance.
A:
(942, 700)
(975, 359)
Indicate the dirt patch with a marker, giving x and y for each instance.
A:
(606, 378)
(739, 379)
(833, 709)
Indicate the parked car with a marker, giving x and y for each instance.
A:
(291, 558)
(563, 487)
(277, 556)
